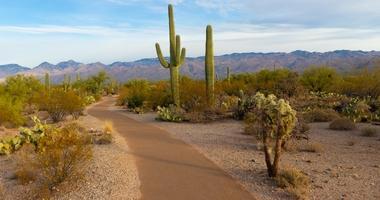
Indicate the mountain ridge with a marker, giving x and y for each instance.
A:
(149, 68)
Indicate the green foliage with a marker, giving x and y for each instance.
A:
(170, 114)
(135, 93)
(276, 119)
(319, 79)
(59, 104)
(27, 136)
(177, 58)
(11, 111)
(22, 88)
(210, 67)
(357, 110)
(63, 154)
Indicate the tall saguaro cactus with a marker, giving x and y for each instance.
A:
(210, 66)
(177, 57)
(228, 76)
(47, 81)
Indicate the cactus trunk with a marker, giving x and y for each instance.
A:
(228, 75)
(47, 82)
(177, 58)
(210, 67)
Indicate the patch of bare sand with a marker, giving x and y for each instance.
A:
(341, 171)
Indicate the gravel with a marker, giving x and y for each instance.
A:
(340, 171)
(112, 174)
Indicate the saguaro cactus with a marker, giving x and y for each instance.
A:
(210, 66)
(47, 81)
(177, 57)
(228, 76)
(66, 83)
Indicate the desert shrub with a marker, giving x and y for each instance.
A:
(362, 83)
(369, 132)
(295, 182)
(245, 104)
(312, 147)
(357, 110)
(22, 88)
(62, 155)
(276, 120)
(319, 79)
(88, 100)
(342, 124)
(281, 82)
(170, 114)
(160, 94)
(320, 115)
(104, 138)
(11, 112)
(59, 104)
(134, 93)
(108, 127)
(193, 94)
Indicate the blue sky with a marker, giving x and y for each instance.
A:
(33, 31)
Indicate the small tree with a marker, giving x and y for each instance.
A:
(276, 120)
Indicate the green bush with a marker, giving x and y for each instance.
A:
(62, 156)
(319, 79)
(11, 112)
(59, 104)
(134, 93)
(342, 124)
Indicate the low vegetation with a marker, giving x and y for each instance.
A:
(342, 124)
(60, 155)
(294, 181)
(369, 132)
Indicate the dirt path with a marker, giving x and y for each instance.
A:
(170, 169)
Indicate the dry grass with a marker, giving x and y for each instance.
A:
(295, 182)
(342, 124)
(108, 127)
(62, 155)
(313, 147)
(320, 115)
(369, 132)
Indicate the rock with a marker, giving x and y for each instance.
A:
(253, 160)
(355, 176)
(376, 166)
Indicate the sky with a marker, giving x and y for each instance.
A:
(34, 31)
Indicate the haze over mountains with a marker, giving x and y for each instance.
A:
(342, 60)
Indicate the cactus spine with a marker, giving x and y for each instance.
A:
(210, 66)
(228, 75)
(177, 57)
(47, 81)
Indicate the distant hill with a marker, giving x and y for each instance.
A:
(342, 60)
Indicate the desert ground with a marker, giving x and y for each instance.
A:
(345, 166)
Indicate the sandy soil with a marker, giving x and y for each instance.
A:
(347, 168)
(112, 174)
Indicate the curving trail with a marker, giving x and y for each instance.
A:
(169, 169)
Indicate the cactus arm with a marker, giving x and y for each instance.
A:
(178, 50)
(183, 56)
(160, 56)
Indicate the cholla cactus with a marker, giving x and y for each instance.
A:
(277, 120)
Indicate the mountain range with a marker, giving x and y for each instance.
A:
(342, 60)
